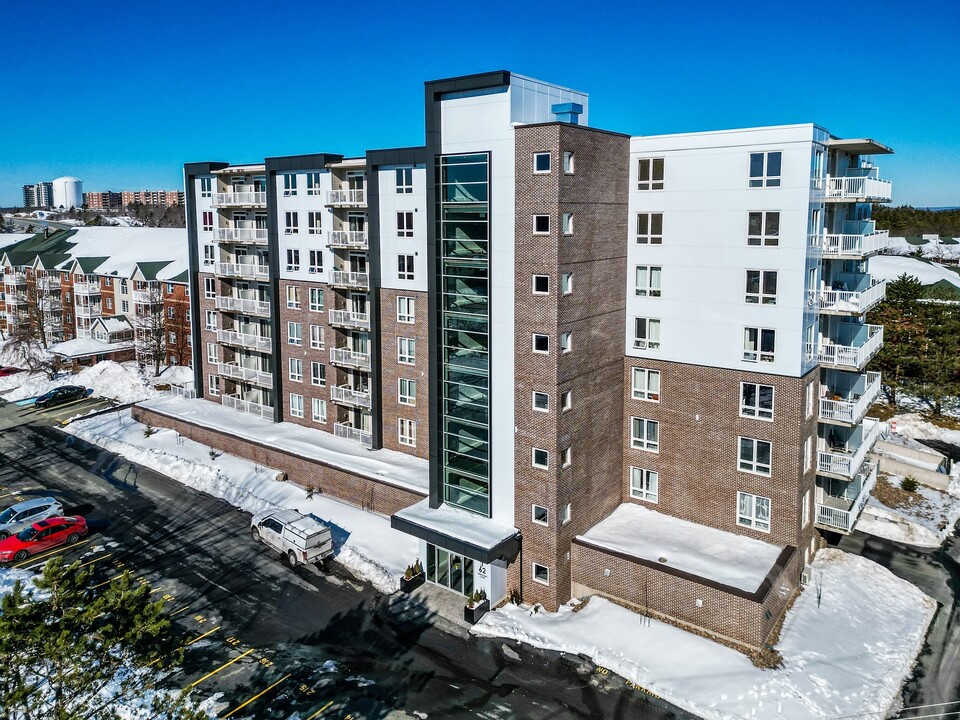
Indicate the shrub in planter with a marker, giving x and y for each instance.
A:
(412, 577)
(476, 607)
(909, 484)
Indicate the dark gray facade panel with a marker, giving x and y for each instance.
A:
(314, 161)
(506, 550)
(273, 249)
(373, 267)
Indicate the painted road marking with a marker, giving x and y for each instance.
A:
(106, 582)
(18, 492)
(177, 612)
(201, 637)
(225, 665)
(320, 710)
(52, 552)
(240, 707)
(91, 562)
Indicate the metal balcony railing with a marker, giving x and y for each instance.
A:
(244, 305)
(349, 319)
(350, 358)
(853, 409)
(352, 239)
(859, 189)
(841, 518)
(249, 198)
(847, 463)
(251, 341)
(850, 356)
(353, 280)
(843, 302)
(252, 375)
(855, 246)
(342, 430)
(346, 197)
(348, 396)
(251, 236)
(248, 406)
(254, 271)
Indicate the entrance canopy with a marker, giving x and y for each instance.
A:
(459, 531)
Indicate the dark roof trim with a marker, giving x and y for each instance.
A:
(397, 156)
(467, 82)
(314, 161)
(506, 550)
(203, 168)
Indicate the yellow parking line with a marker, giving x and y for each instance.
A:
(105, 582)
(51, 552)
(240, 707)
(177, 612)
(320, 710)
(18, 492)
(225, 665)
(91, 562)
(201, 637)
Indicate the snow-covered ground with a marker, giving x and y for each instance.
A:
(890, 267)
(365, 542)
(848, 643)
(931, 249)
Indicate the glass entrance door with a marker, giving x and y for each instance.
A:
(450, 570)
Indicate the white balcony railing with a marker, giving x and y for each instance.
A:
(148, 297)
(348, 396)
(343, 278)
(255, 271)
(248, 406)
(350, 358)
(845, 302)
(238, 372)
(240, 199)
(847, 463)
(48, 283)
(349, 432)
(16, 300)
(853, 410)
(354, 239)
(855, 246)
(244, 305)
(86, 288)
(859, 188)
(253, 236)
(14, 279)
(346, 197)
(844, 520)
(350, 319)
(851, 356)
(89, 311)
(246, 340)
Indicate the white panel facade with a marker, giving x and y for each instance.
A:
(391, 244)
(303, 238)
(206, 250)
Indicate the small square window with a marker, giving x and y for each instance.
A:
(541, 284)
(541, 343)
(568, 162)
(541, 224)
(540, 458)
(541, 574)
(541, 402)
(565, 514)
(566, 342)
(566, 400)
(540, 515)
(567, 220)
(566, 457)
(541, 162)
(566, 283)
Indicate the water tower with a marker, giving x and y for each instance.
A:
(67, 193)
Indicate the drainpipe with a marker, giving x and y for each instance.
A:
(520, 539)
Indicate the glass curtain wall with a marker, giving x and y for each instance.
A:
(464, 232)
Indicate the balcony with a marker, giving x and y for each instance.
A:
(852, 349)
(855, 247)
(845, 458)
(88, 311)
(242, 305)
(251, 375)
(86, 288)
(840, 514)
(48, 283)
(348, 239)
(14, 279)
(351, 280)
(263, 343)
(346, 198)
(16, 300)
(245, 235)
(850, 406)
(342, 430)
(148, 297)
(349, 319)
(344, 357)
(252, 271)
(343, 395)
(241, 197)
(859, 189)
(50, 304)
(248, 406)
(844, 302)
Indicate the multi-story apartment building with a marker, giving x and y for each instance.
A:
(38, 195)
(57, 288)
(634, 366)
(106, 200)
(151, 197)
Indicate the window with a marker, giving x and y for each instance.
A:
(541, 574)
(296, 369)
(808, 459)
(290, 188)
(565, 514)
(765, 169)
(407, 392)
(293, 295)
(296, 405)
(650, 228)
(756, 401)
(405, 267)
(541, 224)
(293, 259)
(541, 402)
(567, 223)
(404, 180)
(169, 286)
(810, 399)
(762, 287)
(541, 343)
(540, 515)
(123, 285)
(319, 408)
(405, 309)
(109, 303)
(212, 353)
(206, 187)
(650, 174)
(646, 333)
(405, 224)
(170, 311)
(566, 400)
(314, 223)
(209, 256)
(294, 333)
(209, 287)
(646, 384)
(407, 432)
(754, 456)
(568, 162)
(648, 280)
(644, 484)
(316, 261)
(208, 221)
(541, 284)
(645, 434)
(316, 337)
(213, 382)
(316, 299)
(211, 323)
(807, 502)
(291, 223)
(318, 374)
(763, 228)
(566, 342)
(108, 282)
(566, 283)
(759, 344)
(313, 185)
(125, 308)
(753, 511)
(406, 350)
(566, 457)
(540, 458)
(541, 163)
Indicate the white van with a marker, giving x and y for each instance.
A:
(299, 538)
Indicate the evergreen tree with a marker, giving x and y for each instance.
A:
(940, 354)
(904, 334)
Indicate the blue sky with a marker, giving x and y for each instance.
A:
(121, 95)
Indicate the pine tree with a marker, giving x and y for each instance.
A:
(904, 335)
(70, 652)
(940, 354)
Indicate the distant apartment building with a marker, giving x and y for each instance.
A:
(631, 366)
(38, 195)
(106, 200)
(151, 197)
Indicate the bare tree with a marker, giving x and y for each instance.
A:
(178, 323)
(150, 326)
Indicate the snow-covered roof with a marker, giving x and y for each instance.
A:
(450, 522)
(114, 323)
(723, 557)
(85, 347)
(890, 267)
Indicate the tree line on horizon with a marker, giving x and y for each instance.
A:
(909, 221)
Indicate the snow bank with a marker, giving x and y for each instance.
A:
(121, 382)
(890, 267)
(367, 545)
(848, 644)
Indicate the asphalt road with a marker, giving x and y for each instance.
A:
(270, 641)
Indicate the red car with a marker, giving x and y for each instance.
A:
(9, 370)
(41, 536)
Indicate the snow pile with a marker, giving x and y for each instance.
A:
(121, 382)
(848, 643)
(890, 267)
(932, 249)
(913, 427)
(366, 543)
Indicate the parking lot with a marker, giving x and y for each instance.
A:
(268, 640)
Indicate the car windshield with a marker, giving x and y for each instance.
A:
(6, 516)
(27, 534)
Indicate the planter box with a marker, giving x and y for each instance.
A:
(408, 586)
(473, 614)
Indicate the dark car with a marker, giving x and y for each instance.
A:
(9, 370)
(61, 395)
